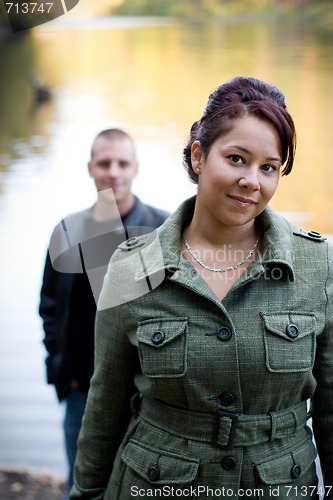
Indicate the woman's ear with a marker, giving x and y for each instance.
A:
(196, 157)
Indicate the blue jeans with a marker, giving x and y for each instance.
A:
(75, 404)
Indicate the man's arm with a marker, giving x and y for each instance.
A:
(48, 311)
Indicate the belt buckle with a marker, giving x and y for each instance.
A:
(232, 434)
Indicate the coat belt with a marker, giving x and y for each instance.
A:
(225, 429)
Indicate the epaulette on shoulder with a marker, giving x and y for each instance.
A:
(310, 235)
(135, 269)
(133, 243)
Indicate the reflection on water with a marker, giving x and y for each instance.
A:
(153, 81)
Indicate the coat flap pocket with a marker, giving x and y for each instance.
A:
(158, 333)
(159, 467)
(291, 465)
(290, 326)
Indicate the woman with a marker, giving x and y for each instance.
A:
(224, 351)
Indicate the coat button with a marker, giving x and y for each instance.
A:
(153, 473)
(224, 333)
(295, 471)
(228, 462)
(226, 398)
(292, 331)
(158, 337)
(314, 234)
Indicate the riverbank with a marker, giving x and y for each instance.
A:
(318, 13)
(19, 485)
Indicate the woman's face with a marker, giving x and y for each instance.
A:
(240, 174)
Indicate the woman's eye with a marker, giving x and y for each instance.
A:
(268, 168)
(236, 159)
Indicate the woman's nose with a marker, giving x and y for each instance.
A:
(250, 180)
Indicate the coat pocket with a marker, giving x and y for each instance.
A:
(289, 341)
(163, 347)
(150, 470)
(292, 475)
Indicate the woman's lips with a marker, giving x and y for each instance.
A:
(242, 202)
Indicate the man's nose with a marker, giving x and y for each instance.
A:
(113, 169)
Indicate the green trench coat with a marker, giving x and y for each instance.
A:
(220, 410)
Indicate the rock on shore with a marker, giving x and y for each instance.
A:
(17, 485)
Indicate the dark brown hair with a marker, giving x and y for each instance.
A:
(234, 99)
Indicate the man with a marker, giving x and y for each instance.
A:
(80, 248)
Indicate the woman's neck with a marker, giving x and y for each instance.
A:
(215, 234)
(227, 251)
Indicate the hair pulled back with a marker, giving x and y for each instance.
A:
(234, 99)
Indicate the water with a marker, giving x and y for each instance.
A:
(153, 80)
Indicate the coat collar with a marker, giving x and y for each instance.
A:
(136, 215)
(277, 249)
(132, 218)
(277, 246)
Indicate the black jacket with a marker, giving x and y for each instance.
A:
(72, 258)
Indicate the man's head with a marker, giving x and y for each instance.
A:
(113, 165)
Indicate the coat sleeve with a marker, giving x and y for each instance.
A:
(62, 262)
(322, 403)
(107, 411)
(48, 312)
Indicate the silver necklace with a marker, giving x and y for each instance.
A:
(221, 269)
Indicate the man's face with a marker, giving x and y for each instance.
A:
(113, 165)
